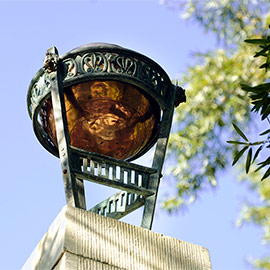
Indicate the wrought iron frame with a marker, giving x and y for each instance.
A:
(138, 184)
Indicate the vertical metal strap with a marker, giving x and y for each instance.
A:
(92, 166)
(74, 187)
(107, 170)
(154, 180)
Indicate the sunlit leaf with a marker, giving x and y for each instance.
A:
(248, 161)
(260, 167)
(265, 132)
(268, 57)
(266, 162)
(236, 142)
(257, 153)
(265, 65)
(256, 89)
(256, 143)
(263, 164)
(240, 132)
(246, 87)
(266, 112)
(258, 96)
(239, 154)
(256, 41)
(267, 173)
(263, 51)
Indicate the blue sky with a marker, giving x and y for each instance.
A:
(32, 192)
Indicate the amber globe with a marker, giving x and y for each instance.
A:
(106, 117)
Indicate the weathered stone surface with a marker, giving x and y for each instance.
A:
(78, 239)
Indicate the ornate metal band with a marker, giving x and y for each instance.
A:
(121, 65)
(108, 62)
(39, 92)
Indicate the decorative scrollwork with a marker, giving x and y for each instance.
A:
(94, 62)
(124, 65)
(99, 62)
(114, 63)
(71, 67)
(38, 91)
(151, 76)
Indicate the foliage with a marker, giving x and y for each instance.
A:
(262, 264)
(260, 98)
(258, 212)
(253, 212)
(215, 99)
(231, 20)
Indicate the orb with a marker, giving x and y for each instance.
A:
(112, 118)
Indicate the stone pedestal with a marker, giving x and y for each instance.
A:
(78, 239)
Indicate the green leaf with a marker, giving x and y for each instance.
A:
(248, 161)
(256, 89)
(256, 107)
(268, 57)
(246, 87)
(256, 143)
(239, 154)
(236, 142)
(257, 153)
(260, 167)
(267, 173)
(265, 65)
(265, 162)
(265, 113)
(257, 96)
(265, 132)
(256, 41)
(263, 51)
(240, 132)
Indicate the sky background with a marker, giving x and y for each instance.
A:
(32, 192)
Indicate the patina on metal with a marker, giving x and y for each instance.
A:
(98, 107)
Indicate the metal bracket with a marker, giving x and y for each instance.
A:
(74, 187)
(132, 179)
(119, 205)
(159, 156)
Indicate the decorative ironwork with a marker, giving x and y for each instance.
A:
(104, 62)
(100, 63)
(51, 60)
(71, 67)
(132, 179)
(111, 172)
(37, 92)
(119, 205)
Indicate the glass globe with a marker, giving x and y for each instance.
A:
(106, 117)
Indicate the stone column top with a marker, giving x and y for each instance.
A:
(78, 239)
